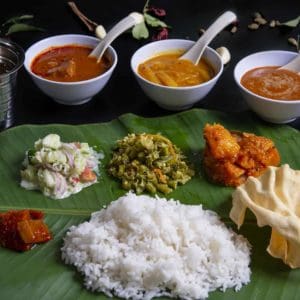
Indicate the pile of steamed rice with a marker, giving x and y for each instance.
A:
(141, 247)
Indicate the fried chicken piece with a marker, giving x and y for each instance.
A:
(231, 157)
(221, 143)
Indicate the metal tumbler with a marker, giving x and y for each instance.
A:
(11, 60)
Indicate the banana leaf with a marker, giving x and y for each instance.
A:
(40, 272)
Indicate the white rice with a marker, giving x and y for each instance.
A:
(141, 247)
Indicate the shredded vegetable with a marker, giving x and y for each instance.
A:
(149, 163)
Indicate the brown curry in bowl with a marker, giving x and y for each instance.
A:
(69, 63)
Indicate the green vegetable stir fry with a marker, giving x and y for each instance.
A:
(149, 163)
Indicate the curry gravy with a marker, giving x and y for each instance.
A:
(274, 83)
(68, 64)
(166, 69)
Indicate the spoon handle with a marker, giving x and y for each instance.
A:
(293, 65)
(194, 54)
(123, 25)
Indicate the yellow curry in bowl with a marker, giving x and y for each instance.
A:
(168, 70)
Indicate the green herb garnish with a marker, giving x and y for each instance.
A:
(152, 19)
(291, 23)
(140, 31)
(18, 24)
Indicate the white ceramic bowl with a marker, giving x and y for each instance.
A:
(274, 111)
(69, 93)
(174, 98)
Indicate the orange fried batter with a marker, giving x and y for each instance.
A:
(230, 157)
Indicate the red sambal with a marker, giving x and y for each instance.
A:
(21, 229)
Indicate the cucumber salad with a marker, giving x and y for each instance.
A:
(60, 169)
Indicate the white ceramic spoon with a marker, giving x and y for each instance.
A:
(194, 54)
(123, 25)
(293, 65)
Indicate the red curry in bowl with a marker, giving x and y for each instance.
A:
(69, 63)
(272, 82)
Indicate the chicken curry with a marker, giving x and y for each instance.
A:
(69, 63)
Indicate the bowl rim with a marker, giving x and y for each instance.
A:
(269, 100)
(184, 88)
(81, 82)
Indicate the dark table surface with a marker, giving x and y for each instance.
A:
(122, 94)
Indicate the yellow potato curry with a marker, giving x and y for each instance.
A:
(166, 69)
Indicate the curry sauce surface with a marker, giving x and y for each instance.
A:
(167, 69)
(68, 64)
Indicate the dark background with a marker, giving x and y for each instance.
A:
(122, 94)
